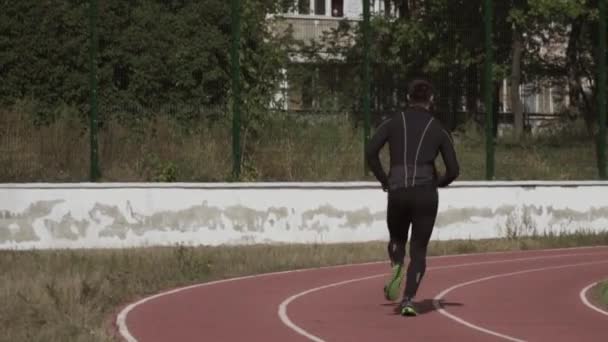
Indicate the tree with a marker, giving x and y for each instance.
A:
(417, 38)
(155, 56)
(559, 44)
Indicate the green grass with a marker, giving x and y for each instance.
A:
(74, 295)
(603, 294)
(279, 148)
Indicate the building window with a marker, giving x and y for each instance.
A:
(320, 7)
(334, 8)
(529, 98)
(337, 8)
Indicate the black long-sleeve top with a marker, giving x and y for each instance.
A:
(415, 139)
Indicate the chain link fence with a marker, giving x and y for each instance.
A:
(276, 90)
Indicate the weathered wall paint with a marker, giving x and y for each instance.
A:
(128, 215)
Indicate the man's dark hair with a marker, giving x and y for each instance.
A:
(420, 91)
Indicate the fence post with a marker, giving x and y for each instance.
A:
(366, 80)
(601, 88)
(236, 96)
(93, 40)
(489, 60)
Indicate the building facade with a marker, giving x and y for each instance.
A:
(310, 19)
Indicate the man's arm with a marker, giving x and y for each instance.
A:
(372, 153)
(449, 158)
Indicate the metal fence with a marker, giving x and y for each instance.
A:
(107, 90)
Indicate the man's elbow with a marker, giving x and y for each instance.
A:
(454, 173)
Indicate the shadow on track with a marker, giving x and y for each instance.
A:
(425, 306)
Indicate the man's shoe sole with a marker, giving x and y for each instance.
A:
(408, 311)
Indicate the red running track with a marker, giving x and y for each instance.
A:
(515, 296)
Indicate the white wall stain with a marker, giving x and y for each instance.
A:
(57, 216)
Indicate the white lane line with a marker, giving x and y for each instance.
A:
(284, 317)
(459, 320)
(585, 300)
(121, 318)
(291, 325)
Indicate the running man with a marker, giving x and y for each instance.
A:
(415, 139)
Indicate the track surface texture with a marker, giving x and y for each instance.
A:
(513, 296)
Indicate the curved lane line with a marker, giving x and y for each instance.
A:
(496, 276)
(284, 317)
(283, 306)
(585, 300)
(121, 318)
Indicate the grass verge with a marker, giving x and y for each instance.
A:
(73, 295)
(602, 295)
(278, 148)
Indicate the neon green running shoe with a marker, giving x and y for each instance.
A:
(392, 287)
(408, 309)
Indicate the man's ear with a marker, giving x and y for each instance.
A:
(432, 98)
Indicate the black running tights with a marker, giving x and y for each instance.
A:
(415, 206)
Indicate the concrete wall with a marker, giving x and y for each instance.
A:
(125, 215)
